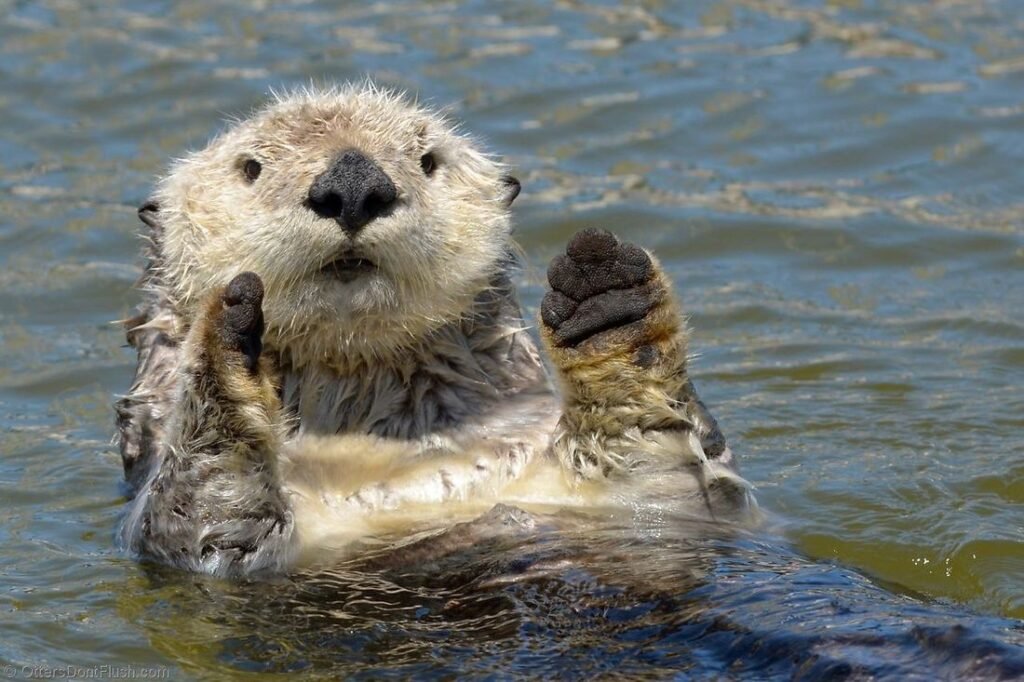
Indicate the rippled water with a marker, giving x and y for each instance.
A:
(835, 187)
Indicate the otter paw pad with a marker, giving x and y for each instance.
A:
(241, 324)
(598, 284)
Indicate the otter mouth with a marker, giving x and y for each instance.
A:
(349, 268)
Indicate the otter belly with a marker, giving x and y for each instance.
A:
(351, 490)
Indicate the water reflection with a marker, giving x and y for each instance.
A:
(565, 597)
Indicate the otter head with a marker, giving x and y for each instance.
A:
(369, 219)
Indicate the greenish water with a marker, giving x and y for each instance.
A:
(835, 187)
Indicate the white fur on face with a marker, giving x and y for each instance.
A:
(434, 252)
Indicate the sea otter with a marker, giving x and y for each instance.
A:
(330, 347)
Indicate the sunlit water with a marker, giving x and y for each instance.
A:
(836, 188)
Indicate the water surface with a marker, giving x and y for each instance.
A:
(835, 187)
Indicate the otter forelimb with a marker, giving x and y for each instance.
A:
(215, 501)
(619, 342)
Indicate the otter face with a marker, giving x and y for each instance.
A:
(369, 219)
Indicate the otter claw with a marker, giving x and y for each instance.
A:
(241, 324)
(598, 284)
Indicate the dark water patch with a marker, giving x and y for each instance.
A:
(575, 605)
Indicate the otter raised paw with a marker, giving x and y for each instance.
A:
(599, 284)
(224, 362)
(619, 342)
(241, 322)
(214, 502)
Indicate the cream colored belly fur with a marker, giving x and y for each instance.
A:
(351, 489)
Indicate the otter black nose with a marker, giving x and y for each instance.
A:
(353, 191)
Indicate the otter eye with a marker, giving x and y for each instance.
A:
(428, 163)
(252, 169)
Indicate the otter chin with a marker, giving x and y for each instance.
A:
(331, 347)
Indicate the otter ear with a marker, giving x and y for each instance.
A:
(149, 213)
(510, 188)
